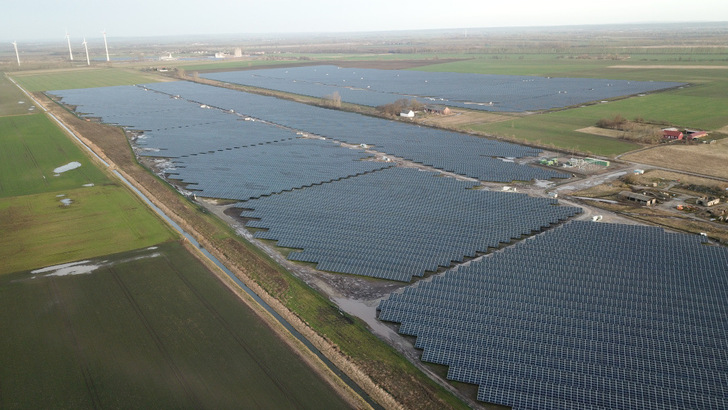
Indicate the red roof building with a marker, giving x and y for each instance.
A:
(672, 134)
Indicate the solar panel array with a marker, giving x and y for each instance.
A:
(586, 315)
(172, 127)
(265, 169)
(397, 223)
(219, 155)
(476, 91)
(464, 154)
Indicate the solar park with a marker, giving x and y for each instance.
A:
(586, 315)
(435, 220)
(550, 322)
(188, 128)
(372, 87)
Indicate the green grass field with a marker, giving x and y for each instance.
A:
(557, 131)
(11, 98)
(148, 328)
(32, 148)
(38, 230)
(81, 78)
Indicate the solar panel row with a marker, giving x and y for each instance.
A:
(475, 91)
(175, 125)
(397, 223)
(172, 127)
(460, 153)
(583, 316)
(269, 168)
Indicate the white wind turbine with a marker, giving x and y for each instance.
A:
(68, 39)
(85, 45)
(15, 44)
(106, 45)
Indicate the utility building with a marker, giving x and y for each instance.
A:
(639, 198)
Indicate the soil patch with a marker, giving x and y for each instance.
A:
(462, 118)
(601, 131)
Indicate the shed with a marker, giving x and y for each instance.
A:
(705, 201)
(639, 198)
(438, 109)
(691, 134)
(407, 114)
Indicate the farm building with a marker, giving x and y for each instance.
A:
(692, 134)
(407, 114)
(438, 109)
(705, 201)
(639, 198)
(672, 134)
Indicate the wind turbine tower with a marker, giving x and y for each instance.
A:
(106, 45)
(85, 45)
(68, 39)
(15, 44)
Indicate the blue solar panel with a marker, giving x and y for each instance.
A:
(585, 315)
(475, 91)
(455, 152)
(397, 223)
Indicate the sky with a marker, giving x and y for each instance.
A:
(50, 19)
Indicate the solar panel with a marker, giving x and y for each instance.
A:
(584, 315)
(475, 91)
(397, 223)
(456, 152)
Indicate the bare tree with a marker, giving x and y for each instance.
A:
(333, 100)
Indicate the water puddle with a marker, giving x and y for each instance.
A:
(73, 268)
(66, 201)
(67, 167)
(87, 266)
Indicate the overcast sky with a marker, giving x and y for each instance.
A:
(26, 20)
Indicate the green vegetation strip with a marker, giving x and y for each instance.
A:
(81, 78)
(146, 328)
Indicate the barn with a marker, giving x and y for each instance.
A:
(672, 134)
